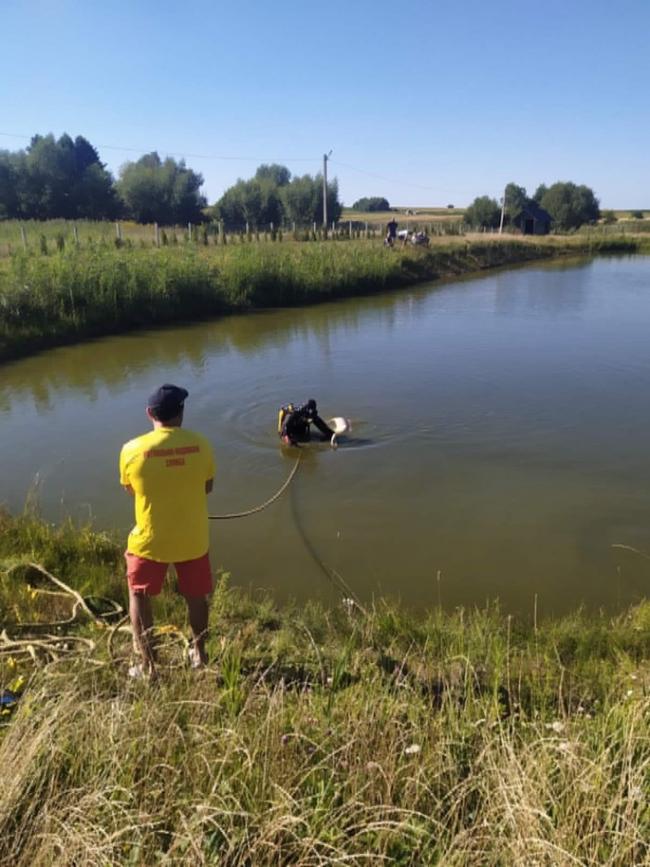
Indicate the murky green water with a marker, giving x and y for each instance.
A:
(500, 445)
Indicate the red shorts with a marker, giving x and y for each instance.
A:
(147, 576)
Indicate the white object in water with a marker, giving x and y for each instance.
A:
(340, 426)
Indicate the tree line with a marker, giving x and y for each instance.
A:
(371, 204)
(274, 196)
(568, 205)
(65, 178)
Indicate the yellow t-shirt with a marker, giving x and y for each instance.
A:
(167, 469)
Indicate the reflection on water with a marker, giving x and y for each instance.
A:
(500, 436)
(107, 363)
(549, 298)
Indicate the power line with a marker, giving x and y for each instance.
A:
(230, 158)
(186, 154)
(395, 180)
(381, 177)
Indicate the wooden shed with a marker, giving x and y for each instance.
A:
(533, 220)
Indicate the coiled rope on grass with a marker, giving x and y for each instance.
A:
(50, 641)
(45, 637)
(264, 505)
(85, 603)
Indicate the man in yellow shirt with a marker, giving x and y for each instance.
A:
(169, 471)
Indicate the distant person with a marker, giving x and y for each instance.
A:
(391, 232)
(294, 423)
(169, 471)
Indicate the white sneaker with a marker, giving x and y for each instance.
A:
(194, 658)
(140, 672)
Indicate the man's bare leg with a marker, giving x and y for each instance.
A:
(197, 609)
(141, 624)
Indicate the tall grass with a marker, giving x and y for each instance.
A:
(621, 228)
(48, 236)
(14, 234)
(328, 736)
(73, 294)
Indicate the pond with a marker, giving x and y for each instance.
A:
(499, 445)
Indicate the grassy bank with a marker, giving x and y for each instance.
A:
(76, 294)
(319, 737)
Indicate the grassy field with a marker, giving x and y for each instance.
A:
(623, 226)
(406, 216)
(627, 215)
(76, 293)
(355, 735)
(52, 236)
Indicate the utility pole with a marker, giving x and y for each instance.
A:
(325, 159)
(503, 212)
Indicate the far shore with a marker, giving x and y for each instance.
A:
(77, 294)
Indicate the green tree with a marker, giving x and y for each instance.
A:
(539, 193)
(516, 201)
(303, 200)
(483, 213)
(371, 203)
(636, 215)
(161, 191)
(51, 178)
(93, 190)
(256, 202)
(569, 205)
(278, 175)
(45, 176)
(8, 186)
(272, 196)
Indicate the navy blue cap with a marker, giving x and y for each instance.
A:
(167, 398)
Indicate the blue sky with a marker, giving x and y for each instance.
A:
(444, 101)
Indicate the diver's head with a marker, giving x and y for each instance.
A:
(310, 407)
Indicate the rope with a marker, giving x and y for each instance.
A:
(45, 638)
(79, 602)
(37, 639)
(630, 548)
(268, 502)
(51, 641)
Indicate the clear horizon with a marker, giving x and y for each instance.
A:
(426, 106)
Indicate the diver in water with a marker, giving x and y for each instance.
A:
(294, 423)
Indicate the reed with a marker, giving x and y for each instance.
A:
(75, 293)
(323, 736)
